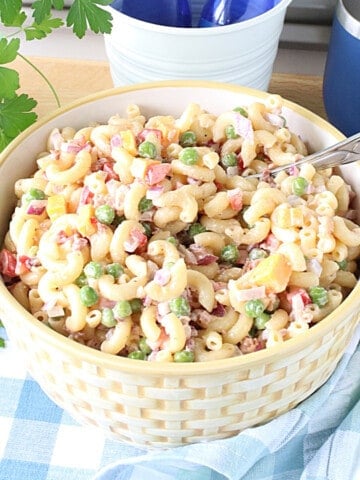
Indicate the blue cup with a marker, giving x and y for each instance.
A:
(341, 86)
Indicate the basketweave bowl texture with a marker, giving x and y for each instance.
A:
(163, 405)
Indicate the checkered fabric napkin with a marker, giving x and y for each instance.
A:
(318, 440)
(38, 440)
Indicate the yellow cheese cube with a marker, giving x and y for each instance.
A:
(140, 166)
(85, 226)
(128, 141)
(273, 272)
(56, 206)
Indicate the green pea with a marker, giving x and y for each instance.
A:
(105, 214)
(184, 356)
(88, 296)
(122, 309)
(299, 186)
(180, 306)
(172, 240)
(319, 296)
(137, 355)
(136, 305)
(144, 347)
(114, 269)
(34, 194)
(147, 228)
(261, 320)
(188, 139)
(195, 229)
(229, 160)
(145, 204)
(147, 150)
(229, 254)
(81, 280)
(189, 156)
(254, 308)
(242, 111)
(93, 270)
(230, 132)
(107, 318)
(257, 253)
(342, 264)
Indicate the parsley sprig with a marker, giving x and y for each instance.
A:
(17, 110)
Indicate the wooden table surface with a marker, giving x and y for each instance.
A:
(73, 79)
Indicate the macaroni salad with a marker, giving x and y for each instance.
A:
(144, 238)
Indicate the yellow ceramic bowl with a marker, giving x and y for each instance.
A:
(153, 404)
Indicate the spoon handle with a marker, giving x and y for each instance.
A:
(342, 153)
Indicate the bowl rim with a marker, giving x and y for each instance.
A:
(9, 306)
(184, 83)
(198, 31)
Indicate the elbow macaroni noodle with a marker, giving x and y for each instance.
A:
(144, 238)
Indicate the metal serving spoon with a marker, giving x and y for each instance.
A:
(346, 151)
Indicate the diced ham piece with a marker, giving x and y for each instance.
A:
(251, 293)
(201, 317)
(137, 239)
(293, 170)
(299, 292)
(108, 168)
(219, 310)
(105, 303)
(271, 243)
(36, 207)
(56, 311)
(116, 141)
(202, 255)
(236, 199)
(85, 196)
(155, 173)
(79, 242)
(154, 192)
(73, 146)
(162, 276)
(56, 139)
(7, 263)
(23, 264)
(243, 127)
(154, 131)
(250, 345)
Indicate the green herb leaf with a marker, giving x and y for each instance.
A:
(87, 13)
(9, 82)
(9, 11)
(58, 4)
(4, 140)
(8, 50)
(43, 29)
(15, 116)
(42, 9)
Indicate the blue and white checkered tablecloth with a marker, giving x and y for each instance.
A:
(318, 440)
